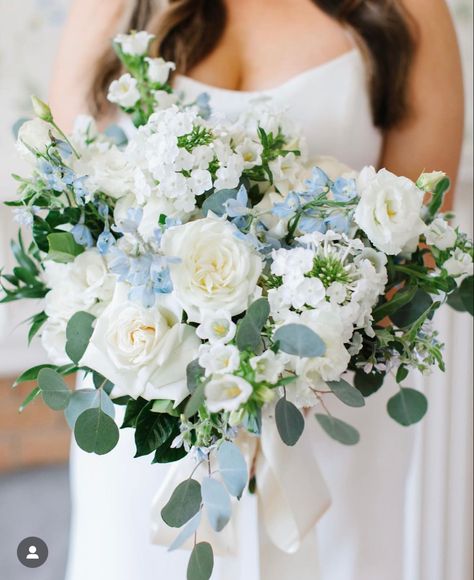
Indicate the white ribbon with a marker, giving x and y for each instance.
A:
(292, 496)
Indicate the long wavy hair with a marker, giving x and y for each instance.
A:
(188, 30)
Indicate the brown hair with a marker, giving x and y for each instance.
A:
(188, 30)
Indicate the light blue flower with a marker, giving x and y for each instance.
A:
(130, 224)
(309, 224)
(105, 241)
(318, 183)
(143, 294)
(161, 279)
(288, 207)
(203, 104)
(119, 264)
(65, 150)
(344, 189)
(80, 190)
(338, 222)
(51, 175)
(82, 235)
(238, 207)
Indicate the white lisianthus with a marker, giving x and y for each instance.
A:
(389, 209)
(226, 393)
(429, 181)
(124, 91)
(143, 351)
(459, 264)
(268, 367)
(135, 43)
(159, 69)
(219, 358)
(440, 234)
(34, 134)
(216, 327)
(216, 270)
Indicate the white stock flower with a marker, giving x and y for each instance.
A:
(219, 358)
(159, 69)
(226, 393)
(135, 43)
(216, 327)
(459, 264)
(267, 366)
(143, 351)
(124, 91)
(440, 234)
(216, 270)
(389, 209)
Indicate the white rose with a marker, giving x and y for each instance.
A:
(459, 264)
(216, 271)
(159, 69)
(440, 234)
(124, 91)
(34, 134)
(227, 393)
(143, 351)
(134, 44)
(389, 209)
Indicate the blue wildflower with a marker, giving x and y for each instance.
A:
(318, 183)
(338, 222)
(238, 207)
(309, 224)
(288, 207)
(203, 104)
(65, 150)
(105, 241)
(80, 190)
(344, 189)
(130, 224)
(82, 235)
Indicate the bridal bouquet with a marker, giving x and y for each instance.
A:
(212, 278)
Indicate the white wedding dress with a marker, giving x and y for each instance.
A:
(361, 536)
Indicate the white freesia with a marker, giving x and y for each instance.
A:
(143, 351)
(389, 209)
(216, 270)
(159, 69)
(267, 366)
(124, 91)
(216, 327)
(35, 135)
(440, 234)
(219, 358)
(135, 43)
(226, 393)
(459, 264)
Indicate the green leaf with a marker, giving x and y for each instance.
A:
(151, 430)
(407, 407)
(400, 298)
(32, 374)
(289, 421)
(347, 393)
(29, 399)
(466, 292)
(402, 373)
(167, 454)
(133, 409)
(216, 500)
(83, 399)
(78, 333)
(438, 196)
(194, 374)
(100, 382)
(195, 401)
(96, 432)
(53, 388)
(233, 468)
(368, 383)
(37, 322)
(299, 340)
(338, 430)
(163, 406)
(184, 503)
(201, 562)
(215, 202)
(189, 529)
(248, 335)
(411, 312)
(62, 247)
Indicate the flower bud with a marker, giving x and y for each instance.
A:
(429, 181)
(41, 109)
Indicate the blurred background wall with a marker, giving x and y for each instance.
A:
(440, 540)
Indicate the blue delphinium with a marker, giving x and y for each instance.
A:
(82, 235)
(344, 189)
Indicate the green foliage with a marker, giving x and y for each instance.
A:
(407, 406)
(201, 562)
(462, 299)
(56, 393)
(289, 421)
(29, 399)
(189, 529)
(215, 202)
(132, 410)
(338, 430)
(389, 307)
(248, 335)
(78, 333)
(194, 375)
(83, 399)
(195, 401)
(96, 432)
(152, 430)
(184, 503)
(437, 197)
(299, 340)
(32, 373)
(233, 468)
(347, 393)
(36, 322)
(410, 312)
(63, 248)
(216, 500)
(368, 383)
(168, 454)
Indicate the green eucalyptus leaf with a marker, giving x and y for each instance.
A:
(299, 340)
(62, 247)
(289, 421)
(248, 335)
(216, 500)
(347, 393)
(195, 401)
(466, 292)
(402, 373)
(407, 406)
(56, 393)
(96, 432)
(201, 562)
(189, 529)
(83, 399)
(413, 310)
(338, 430)
(233, 468)
(78, 333)
(215, 202)
(194, 375)
(368, 383)
(184, 503)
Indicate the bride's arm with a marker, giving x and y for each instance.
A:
(431, 137)
(86, 35)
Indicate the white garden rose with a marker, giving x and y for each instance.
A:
(135, 43)
(34, 134)
(389, 209)
(216, 270)
(143, 351)
(440, 234)
(124, 91)
(226, 393)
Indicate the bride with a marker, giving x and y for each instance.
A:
(371, 82)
